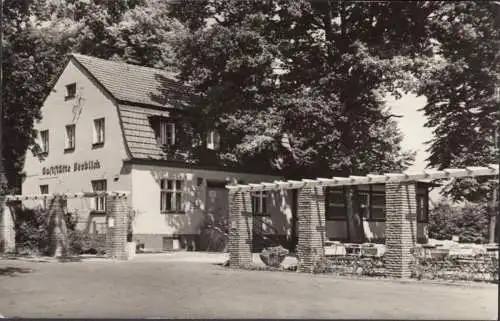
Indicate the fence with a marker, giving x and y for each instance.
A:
(482, 267)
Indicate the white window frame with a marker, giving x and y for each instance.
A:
(44, 141)
(366, 208)
(167, 133)
(213, 140)
(173, 190)
(70, 136)
(99, 131)
(99, 202)
(44, 189)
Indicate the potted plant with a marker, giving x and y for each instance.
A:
(273, 256)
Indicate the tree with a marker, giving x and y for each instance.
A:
(38, 37)
(27, 71)
(300, 85)
(459, 87)
(468, 221)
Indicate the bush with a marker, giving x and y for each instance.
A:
(81, 242)
(32, 230)
(469, 222)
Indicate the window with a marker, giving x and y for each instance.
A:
(70, 91)
(422, 208)
(70, 137)
(99, 131)
(370, 204)
(377, 206)
(44, 189)
(259, 203)
(44, 140)
(171, 196)
(99, 201)
(213, 140)
(335, 204)
(167, 133)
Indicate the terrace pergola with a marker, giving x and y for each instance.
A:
(400, 228)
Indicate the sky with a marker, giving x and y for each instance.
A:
(412, 126)
(415, 134)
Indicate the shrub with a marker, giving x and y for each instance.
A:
(214, 234)
(32, 230)
(469, 222)
(82, 242)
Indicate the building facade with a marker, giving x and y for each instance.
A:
(113, 126)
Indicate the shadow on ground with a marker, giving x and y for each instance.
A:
(13, 271)
(69, 259)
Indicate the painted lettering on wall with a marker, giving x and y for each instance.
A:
(77, 167)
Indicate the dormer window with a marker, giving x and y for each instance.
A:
(213, 140)
(167, 133)
(70, 91)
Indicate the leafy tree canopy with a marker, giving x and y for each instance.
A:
(301, 83)
(459, 87)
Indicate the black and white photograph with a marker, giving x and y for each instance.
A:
(249, 159)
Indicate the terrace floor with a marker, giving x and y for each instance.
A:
(193, 286)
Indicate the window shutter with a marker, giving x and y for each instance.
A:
(94, 132)
(92, 203)
(103, 130)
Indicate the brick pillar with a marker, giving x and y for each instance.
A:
(117, 219)
(7, 231)
(311, 227)
(240, 234)
(58, 230)
(400, 228)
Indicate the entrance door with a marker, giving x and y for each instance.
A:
(217, 202)
(217, 215)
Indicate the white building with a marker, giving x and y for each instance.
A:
(103, 127)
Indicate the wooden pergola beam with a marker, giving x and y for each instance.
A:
(66, 195)
(408, 176)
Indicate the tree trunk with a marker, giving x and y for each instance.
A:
(354, 220)
(493, 217)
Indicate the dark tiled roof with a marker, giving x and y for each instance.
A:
(139, 135)
(136, 84)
